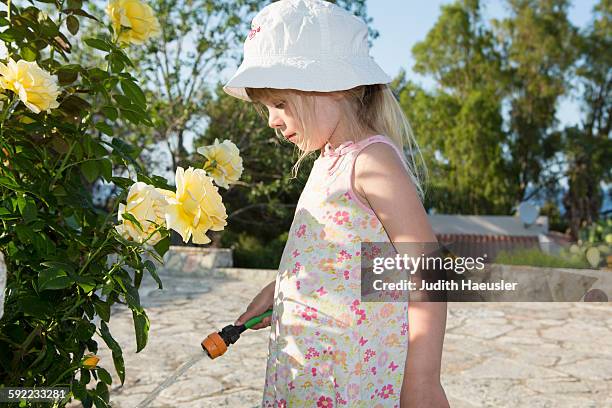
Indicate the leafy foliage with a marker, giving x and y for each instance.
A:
(66, 263)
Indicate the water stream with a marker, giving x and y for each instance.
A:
(191, 361)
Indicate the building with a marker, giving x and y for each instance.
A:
(475, 235)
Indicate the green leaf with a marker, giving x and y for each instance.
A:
(116, 65)
(106, 168)
(110, 112)
(73, 24)
(84, 330)
(132, 297)
(141, 327)
(86, 283)
(99, 402)
(131, 115)
(123, 182)
(134, 92)
(35, 306)
(73, 4)
(104, 128)
(127, 216)
(162, 246)
(104, 375)
(9, 183)
(98, 43)
(123, 101)
(75, 104)
(152, 270)
(67, 77)
(156, 181)
(29, 53)
(79, 390)
(53, 278)
(97, 75)
(115, 349)
(102, 309)
(7, 36)
(74, 10)
(91, 170)
(69, 268)
(27, 208)
(24, 233)
(124, 147)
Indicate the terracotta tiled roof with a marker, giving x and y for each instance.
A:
(475, 245)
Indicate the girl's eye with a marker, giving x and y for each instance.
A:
(280, 105)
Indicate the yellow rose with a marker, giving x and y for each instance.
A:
(89, 362)
(133, 21)
(224, 163)
(146, 203)
(196, 206)
(36, 88)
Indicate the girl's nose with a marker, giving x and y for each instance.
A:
(275, 121)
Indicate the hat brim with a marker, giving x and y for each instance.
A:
(282, 72)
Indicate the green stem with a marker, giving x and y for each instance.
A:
(63, 165)
(90, 258)
(70, 369)
(10, 106)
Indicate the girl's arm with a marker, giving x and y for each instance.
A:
(381, 179)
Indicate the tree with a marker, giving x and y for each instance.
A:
(460, 123)
(588, 147)
(537, 42)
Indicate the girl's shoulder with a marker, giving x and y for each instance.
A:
(377, 158)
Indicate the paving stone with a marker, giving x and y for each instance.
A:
(501, 367)
(592, 368)
(557, 386)
(482, 329)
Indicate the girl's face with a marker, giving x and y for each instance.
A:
(325, 127)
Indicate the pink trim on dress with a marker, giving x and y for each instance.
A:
(343, 149)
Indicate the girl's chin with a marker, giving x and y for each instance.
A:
(308, 147)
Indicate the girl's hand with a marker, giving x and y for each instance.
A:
(423, 394)
(260, 303)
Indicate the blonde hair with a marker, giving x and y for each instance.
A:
(367, 108)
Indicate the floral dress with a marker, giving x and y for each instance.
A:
(326, 347)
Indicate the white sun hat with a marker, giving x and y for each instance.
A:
(310, 45)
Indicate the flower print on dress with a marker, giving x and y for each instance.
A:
(341, 217)
(309, 313)
(360, 312)
(324, 402)
(386, 391)
(301, 231)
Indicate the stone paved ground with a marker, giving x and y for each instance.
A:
(495, 355)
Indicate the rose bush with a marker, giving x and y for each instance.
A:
(67, 262)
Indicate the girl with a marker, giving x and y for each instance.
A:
(307, 62)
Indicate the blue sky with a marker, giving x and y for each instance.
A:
(402, 23)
